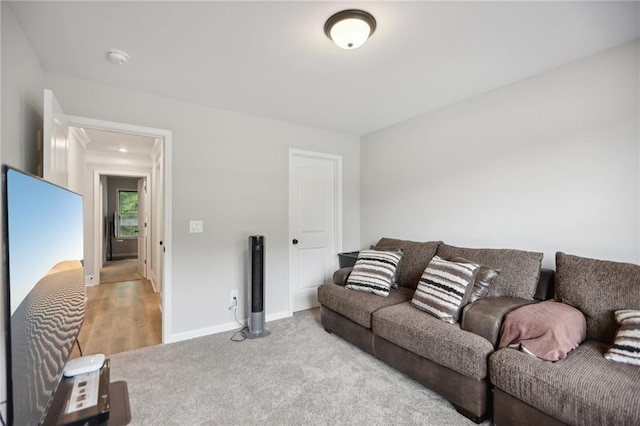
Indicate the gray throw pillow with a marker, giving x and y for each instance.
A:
(484, 278)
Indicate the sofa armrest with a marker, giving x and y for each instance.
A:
(340, 276)
(485, 316)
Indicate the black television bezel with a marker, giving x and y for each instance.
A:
(7, 294)
(7, 297)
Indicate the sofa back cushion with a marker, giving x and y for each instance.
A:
(598, 288)
(415, 258)
(519, 270)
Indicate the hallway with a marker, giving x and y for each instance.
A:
(122, 315)
(119, 270)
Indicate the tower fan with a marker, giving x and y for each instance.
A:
(256, 327)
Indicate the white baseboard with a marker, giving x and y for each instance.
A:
(153, 279)
(178, 337)
(278, 316)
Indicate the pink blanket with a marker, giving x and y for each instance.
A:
(548, 330)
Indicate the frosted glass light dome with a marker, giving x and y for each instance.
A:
(350, 29)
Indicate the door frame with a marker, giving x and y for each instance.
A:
(55, 163)
(166, 188)
(337, 194)
(98, 208)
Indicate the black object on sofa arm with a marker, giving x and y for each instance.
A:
(546, 285)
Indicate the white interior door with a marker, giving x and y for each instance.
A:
(314, 222)
(142, 227)
(104, 227)
(55, 152)
(157, 249)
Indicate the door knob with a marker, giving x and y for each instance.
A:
(294, 241)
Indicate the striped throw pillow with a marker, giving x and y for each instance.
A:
(374, 271)
(626, 345)
(444, 288)
(394, 280)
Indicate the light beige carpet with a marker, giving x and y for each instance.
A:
(119, 270)
(299, 375)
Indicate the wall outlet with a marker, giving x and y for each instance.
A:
(234, 297)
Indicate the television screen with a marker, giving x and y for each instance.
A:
(44, 289)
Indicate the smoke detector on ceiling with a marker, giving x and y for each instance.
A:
(117, 56)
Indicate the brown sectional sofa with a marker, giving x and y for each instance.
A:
(584, 388)
(449, 359)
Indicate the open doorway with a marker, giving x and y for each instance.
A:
(78, 151)
(124, 291)
(126, 223)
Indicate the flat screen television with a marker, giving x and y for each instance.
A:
(44, 289)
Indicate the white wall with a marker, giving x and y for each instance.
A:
(231, 171)
(22, 97)
(546, 164)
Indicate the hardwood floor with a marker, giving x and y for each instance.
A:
(119, 317)
(119, 270)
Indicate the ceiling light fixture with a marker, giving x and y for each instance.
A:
(123, 150)
(117, 56)
(351, 28)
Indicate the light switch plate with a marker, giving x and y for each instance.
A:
(196, 226)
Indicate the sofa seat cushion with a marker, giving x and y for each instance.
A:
(519, 270)
(357, 305)
(431, 338)
(584, 388)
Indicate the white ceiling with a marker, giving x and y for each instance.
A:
(105, 144)
(273, 59)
